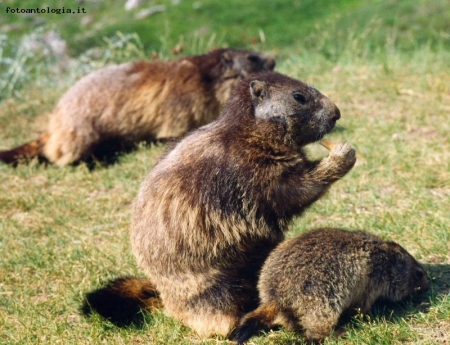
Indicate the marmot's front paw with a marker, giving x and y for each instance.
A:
(343, 155)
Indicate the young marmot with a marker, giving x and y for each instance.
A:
(139, 101)
(308, 282)
(213, 208)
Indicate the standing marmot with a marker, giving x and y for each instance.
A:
(138, 101)
(213, 208)
(308, 282)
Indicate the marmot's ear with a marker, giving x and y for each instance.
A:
(258, 89)
(227, 59)
(397, 254)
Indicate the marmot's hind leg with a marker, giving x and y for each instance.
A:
(319, 325)
(209, 323)
(66, 147)
(214, 311)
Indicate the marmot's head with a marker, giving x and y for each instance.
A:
(232, 65)
(295, 112)
(241, 63)
(406, 275)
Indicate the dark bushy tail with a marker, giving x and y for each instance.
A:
(261, 319)
(24, 152)
(122, 300)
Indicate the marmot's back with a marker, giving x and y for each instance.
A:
(139, 101)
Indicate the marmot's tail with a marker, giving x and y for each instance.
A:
(261, 319)
(24, 152)
(122, 300)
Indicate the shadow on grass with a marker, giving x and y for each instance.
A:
(439, 275)
(339, 129)
(110, 151)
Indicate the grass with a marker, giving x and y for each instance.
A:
(65, 231)
(284, 23)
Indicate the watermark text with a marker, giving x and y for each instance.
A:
(62, 10)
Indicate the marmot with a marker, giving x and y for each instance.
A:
(308, 282)
(211, 210)
(139, 101)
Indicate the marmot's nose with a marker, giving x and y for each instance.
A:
(331, 110)
(337, 113)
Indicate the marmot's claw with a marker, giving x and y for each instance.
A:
(344, 151)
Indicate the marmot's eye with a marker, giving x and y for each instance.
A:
(419, 274)
(300, 98)
(253, 58)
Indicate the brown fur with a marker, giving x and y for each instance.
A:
(24, 152)
(140, 101)
(308, 282)
(214, 207)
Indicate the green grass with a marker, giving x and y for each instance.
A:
(284, 23)
(386, 64)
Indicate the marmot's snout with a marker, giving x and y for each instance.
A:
(331, 113)
(337, 114)
(424, 283)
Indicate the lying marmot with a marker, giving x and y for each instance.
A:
(308, 282)
(139, 101)
(213, 208)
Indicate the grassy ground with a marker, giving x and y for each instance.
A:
(65, 231)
